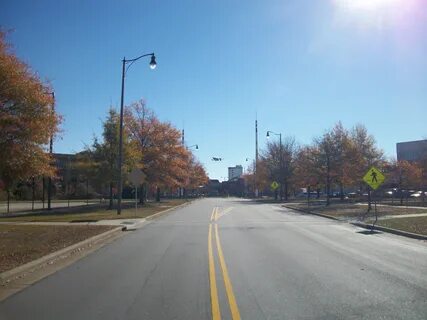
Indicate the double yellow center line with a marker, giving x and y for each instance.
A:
(216, 312)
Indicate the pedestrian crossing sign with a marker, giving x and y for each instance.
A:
(374, 178)
(274, 185)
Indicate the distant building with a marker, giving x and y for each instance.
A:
(411, 150)
(212, 188)
(63, 162)
(235, 172)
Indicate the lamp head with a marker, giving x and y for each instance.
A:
(153, 63)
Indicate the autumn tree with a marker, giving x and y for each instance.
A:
(308, 171)
(196, 174)
(260, 177)
(280, 162)
(366, 152)
(163, 158)
(406, 175)
(27, 120)
(102, 156)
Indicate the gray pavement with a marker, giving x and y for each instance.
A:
(279, 264)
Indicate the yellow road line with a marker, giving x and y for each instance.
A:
(213, 213)
(216, 313)
(235, 314)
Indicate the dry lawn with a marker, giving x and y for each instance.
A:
(95, 214)
(351, 210)
(414, 225)
(20, 244)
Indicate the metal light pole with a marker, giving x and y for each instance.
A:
(195, 146)
(153, 65)
(256, 159)
(280, 160)
(49, 181)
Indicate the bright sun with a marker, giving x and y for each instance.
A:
(367, 4)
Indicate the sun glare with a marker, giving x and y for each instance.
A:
(367, 4)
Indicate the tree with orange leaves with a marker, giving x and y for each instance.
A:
(163, 158)
(27, 120)
(196, 174)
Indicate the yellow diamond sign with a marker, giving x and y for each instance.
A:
(274, 185)
(374, 178)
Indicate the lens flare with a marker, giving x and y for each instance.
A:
(368, 4)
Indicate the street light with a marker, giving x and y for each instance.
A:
(195, 146)
(125, 61)
(281, 160)
(49, 181)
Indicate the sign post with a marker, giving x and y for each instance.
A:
(274, 185)
(374, 178)
(136, 177)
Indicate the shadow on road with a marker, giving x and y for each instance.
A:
(369, 232)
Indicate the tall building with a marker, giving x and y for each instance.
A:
(235, 172)
(411, 150)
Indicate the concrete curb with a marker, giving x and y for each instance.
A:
(311, 212)
(390, 230)
(54, 255)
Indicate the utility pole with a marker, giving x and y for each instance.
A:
(49, 181)
(256, 157)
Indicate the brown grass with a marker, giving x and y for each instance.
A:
(414, 225)
(95, 214)
(351, 210)
(20, 244)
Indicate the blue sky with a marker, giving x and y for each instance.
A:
(300, 65)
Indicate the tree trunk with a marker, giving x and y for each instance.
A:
(43, 192)
(341, 192)
(286, 191)
(328, 182)
(8, 200)
(158, 194)
(110, 204)
(144, 193)
(33, 196)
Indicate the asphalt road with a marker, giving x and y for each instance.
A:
(231, 259)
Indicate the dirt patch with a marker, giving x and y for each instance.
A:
(20, 244)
